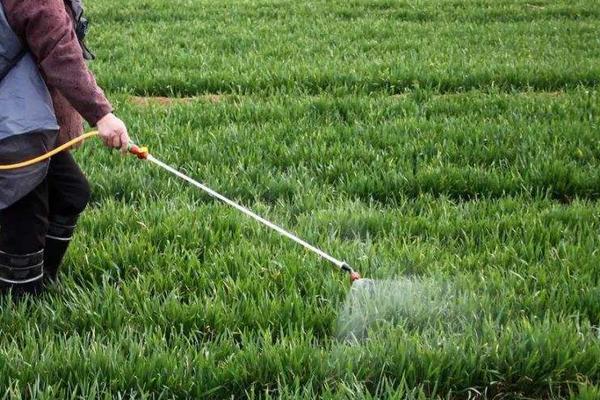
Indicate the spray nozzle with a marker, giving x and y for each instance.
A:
(354, 276)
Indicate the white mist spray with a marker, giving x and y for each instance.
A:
(411, 302)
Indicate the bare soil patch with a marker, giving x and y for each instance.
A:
(168, 101)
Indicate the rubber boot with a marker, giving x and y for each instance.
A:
(53, 256)
(60, 232)
(21, 274)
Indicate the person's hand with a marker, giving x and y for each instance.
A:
(113, 132)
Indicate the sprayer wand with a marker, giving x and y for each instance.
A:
(143, 154)
(342, 265)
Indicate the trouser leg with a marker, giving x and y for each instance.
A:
(40, 226)
(23, 228)
(68, 195)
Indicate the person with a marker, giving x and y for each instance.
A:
(45, 90)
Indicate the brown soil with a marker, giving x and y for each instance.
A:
(167, 101)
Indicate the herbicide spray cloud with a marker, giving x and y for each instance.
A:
(414, 303)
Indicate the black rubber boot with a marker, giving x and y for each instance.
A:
(60, 232)
(53, 256)
(21, 274)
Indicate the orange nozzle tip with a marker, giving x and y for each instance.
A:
(354, 276)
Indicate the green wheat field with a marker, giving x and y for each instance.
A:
(451, 144)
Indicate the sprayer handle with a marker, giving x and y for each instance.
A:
(139, 152)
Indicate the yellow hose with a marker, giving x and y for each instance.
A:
(46, 156)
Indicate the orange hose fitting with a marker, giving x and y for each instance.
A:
(140, 152)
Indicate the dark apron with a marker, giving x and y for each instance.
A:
(15, 184)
